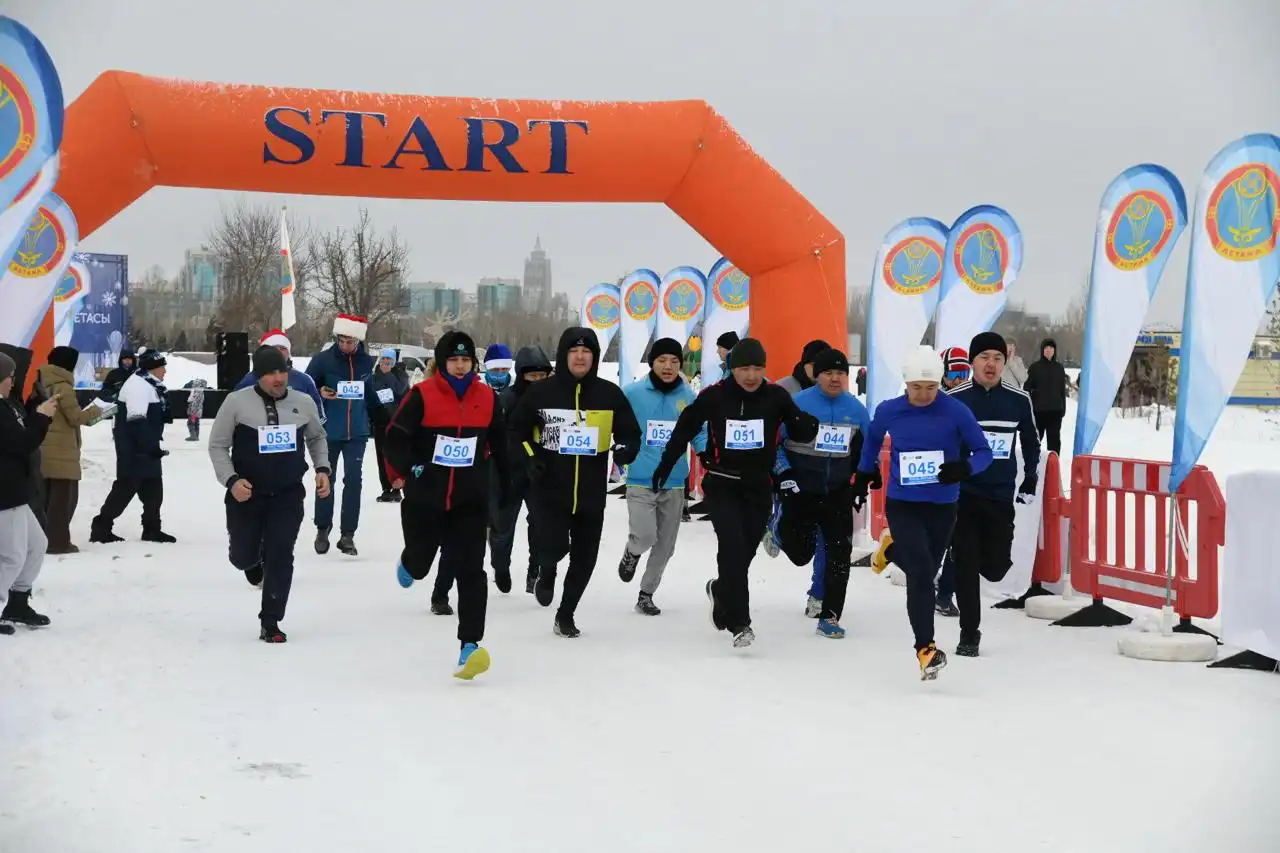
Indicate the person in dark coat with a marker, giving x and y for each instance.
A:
(531, 365)
(567, 426)
(125, 367)
(141, 416)
(387, 388)
(1047, 384)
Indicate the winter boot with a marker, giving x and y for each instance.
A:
(627, 565)
(502, 580)
(384, 498)
(531, 580)
(19, 612)
(472, 661)
(830, 629)
(347, 544)
(931, 659)
(645, 605)
(271, 633)
(880, 559)
(813, 607)
(685, 517)
(5, 629)
(254, 575)
(744, 638)
(545, 589)
(158, 535)
(322, 539)
(946, 607)
(565, 627)
(100, 532)
(968, 646)
(396, 497)
(441, 607)
(715, 611)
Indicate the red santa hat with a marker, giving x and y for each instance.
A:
(275, 338)
(351, 326)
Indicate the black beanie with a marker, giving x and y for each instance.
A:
(830, 359)
(64, 357)
(267, 360)
(984, 341)
(150, 360)
(728, 340)
(454, 344)
(665, 346)
(812, 349)
(748, 352)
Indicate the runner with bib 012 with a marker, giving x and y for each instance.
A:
(936, 443)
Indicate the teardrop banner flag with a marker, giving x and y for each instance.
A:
(30, 109)
(904, 295)
(984, 257)
(728, 310)
(74, 286)
(1142, 214)
(1231, 278)
(17, 216)
(639, 317)
(682, 303)
(600, 311)
(42, 256)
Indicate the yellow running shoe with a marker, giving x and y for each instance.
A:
(931, 660)
(878, 560)
(473, 661)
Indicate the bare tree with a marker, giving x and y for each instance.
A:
(359, 271)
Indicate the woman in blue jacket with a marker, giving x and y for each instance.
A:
(936, 443)
(654, 516)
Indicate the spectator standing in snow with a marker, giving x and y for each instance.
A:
(138, 430)
(60, 453)
(195, 407)
(1047, 384)
(1014, 368)
(22, 541)
(387, 387)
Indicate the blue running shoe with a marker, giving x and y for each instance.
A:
(830, 629)
(471, 662)
(402, 575)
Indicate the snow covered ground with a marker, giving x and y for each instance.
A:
(150, 718)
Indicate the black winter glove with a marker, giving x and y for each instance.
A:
(786, 484)
(660, 476)
(1027, 492)
(624, 454)
(864, 480)
(953, 472)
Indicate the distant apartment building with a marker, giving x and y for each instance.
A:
(537, 280)
(434, 299)
(499, 295)
(200, 277)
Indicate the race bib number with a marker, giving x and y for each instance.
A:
(579, 440)
(834, 439)
(744, 435)
(278, 439)
(385, 396)
(920, 468)
(350, 390)
(454, 452)
(658, 433)
(1001, 444)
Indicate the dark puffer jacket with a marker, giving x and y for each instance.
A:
(1047, 382)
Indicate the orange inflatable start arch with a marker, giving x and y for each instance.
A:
(128, 133)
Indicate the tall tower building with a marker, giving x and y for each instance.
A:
(537, 280)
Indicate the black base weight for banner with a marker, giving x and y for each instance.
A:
(620, 489)
(698, 507)
(1020, 603)
(862, 562)
(705, 518)
(1186, 626)
(1248, 660)
(1095, 615)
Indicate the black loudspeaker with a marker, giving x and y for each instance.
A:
(233, 358)
(22, 358)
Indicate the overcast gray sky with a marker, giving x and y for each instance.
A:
(875, 111)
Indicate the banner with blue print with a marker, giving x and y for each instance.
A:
(728, 310)
(100, 324)
(904, 295)
(39, 262)
(983, 259)
(31, 109)
(72, 289)
(1143, 212)
(600, 311)
(639, 317)
(682, 304)
(1231, 278)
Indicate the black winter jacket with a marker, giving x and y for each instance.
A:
(1047, 382)
(1004, 413)
(380, 411)
(21, 434)
(138, 429)
(766, 409)
(527, 359)
(575, 481)
(114, 381)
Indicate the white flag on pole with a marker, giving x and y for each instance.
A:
(288, 315)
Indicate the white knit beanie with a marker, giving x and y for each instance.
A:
(923, 365)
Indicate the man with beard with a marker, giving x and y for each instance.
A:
(654, 514)
(531, 365)
(256, 447)
(742, 416)
(439, 446)
(567, 425)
